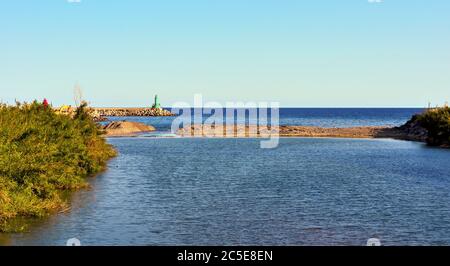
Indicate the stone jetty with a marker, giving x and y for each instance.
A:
(102, 112)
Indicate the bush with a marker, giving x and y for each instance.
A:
(437, 122)
(43, 153)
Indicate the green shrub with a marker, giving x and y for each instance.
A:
(43, 153)
(437, 122)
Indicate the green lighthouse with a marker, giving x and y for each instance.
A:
(156, 105)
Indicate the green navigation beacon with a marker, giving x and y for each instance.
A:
(156, 105)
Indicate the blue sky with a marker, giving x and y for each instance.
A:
(299, 53)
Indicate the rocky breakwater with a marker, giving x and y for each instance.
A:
(103, 112)
(126, 129)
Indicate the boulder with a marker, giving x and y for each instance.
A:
(126, 128)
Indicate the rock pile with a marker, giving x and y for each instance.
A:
(132, 112)
(414, 131)
(125, 128)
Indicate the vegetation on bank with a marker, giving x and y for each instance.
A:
(437, 122)
(43, 153)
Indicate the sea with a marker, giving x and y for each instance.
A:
(307, 191)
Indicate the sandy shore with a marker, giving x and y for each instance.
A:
(295, 131)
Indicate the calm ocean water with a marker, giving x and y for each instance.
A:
(183, 191)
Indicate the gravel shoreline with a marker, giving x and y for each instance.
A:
(297, 131)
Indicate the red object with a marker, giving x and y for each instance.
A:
(45, 103)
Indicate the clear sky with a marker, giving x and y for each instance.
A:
(301, 53)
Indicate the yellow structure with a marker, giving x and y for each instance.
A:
(65, 110)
